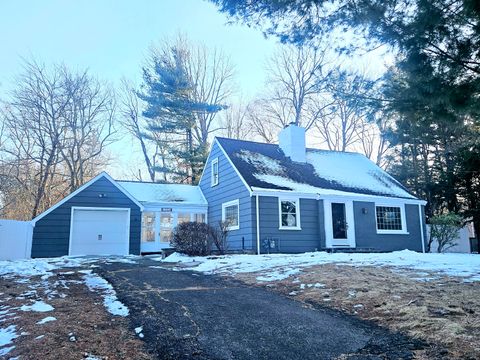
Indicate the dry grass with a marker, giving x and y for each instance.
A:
(443, 311)
(79, 312)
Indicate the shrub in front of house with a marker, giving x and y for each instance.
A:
(192, 238)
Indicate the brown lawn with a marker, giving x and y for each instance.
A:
(444, 311)
(83, 329)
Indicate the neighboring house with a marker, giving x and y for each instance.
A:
(287, 198)
(276, 198)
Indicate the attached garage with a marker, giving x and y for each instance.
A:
(99, 218)
(99, 231)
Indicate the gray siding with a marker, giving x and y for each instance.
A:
(230, 187)
(51, 233)
(309, 238)
(366, 232)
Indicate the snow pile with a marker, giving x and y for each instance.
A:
(280, 265)
(110, 301)
(37, 306)
(6, 336)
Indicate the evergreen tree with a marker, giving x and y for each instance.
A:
(171, 110)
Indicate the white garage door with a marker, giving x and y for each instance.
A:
(99, 232)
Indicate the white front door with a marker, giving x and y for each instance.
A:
(96, 231)
(339, 224)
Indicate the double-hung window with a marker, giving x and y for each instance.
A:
(289, 214)
(390, 219)
(231, 214)
(214, 171)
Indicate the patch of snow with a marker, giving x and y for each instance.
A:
(44, 267)
(39, 337)
(6, 336)
(110, 301)
(466, 266)
(263, 164)
(46, 319)
(138, 330)
(37, 306)
(339, 167)
(278, 275)
(91, 357)
(6, 350)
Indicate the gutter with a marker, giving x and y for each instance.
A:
(420, 218)
(257, 214)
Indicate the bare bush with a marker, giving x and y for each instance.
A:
(192, 238)
(219, 235)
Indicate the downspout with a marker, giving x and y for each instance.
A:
(257, 213)
(422, 236)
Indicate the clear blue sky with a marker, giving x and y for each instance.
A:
(111, 37)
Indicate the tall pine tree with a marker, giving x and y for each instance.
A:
(171, 109)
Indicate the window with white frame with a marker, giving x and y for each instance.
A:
(231, 214)
(214, 172)
(390, 218)
(289, 213)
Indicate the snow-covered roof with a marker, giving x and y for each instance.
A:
(156, 193)
(265, 167)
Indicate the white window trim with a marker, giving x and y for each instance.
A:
(214, 181)
(297, 207)
(402, 215)
(230, 203)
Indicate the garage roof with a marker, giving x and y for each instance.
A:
(156, 193)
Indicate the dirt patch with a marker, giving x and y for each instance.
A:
(82, 329)
(443, 311)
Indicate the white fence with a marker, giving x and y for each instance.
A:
(15, 239)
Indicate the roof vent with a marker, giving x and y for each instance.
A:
(292, 141)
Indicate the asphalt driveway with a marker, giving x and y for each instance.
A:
(186, 315)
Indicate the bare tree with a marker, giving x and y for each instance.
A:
(37, 113)
(263, 123)
(343, 122)
(296, 77)
(153, 153)
(55, 135)
(234, 121)
(89, 127)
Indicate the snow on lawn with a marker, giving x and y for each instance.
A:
(281, 266)
(37, 306)
(6, 336)
(44, 267)
(46, 319)
(110, 301)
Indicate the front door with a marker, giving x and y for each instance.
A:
(157, 231)
(339, 224)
